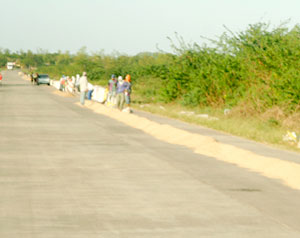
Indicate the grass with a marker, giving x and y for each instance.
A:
(254, 128)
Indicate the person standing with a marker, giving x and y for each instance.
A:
(62, 82)
(31, 77)
(90, 91)
(77, 82)
(83, 87)
(127, 91)
(112, 86)
(35, 77)
(120, 93)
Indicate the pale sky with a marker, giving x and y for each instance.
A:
(130, 26)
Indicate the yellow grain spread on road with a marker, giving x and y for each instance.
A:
(63, 94)
(285, 171)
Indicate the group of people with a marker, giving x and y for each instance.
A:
(33, 77)
(76, 84)
(117, 92)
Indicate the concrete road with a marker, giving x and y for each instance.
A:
(68, 172)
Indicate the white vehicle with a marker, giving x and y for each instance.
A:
(10, 65)
(43, 79)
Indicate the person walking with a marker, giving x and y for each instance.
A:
(83, 87)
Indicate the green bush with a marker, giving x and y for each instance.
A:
(256, 69)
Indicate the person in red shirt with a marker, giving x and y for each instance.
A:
(0, 78)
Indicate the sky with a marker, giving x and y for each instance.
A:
(130, 26)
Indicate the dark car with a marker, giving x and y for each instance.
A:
(43, 79)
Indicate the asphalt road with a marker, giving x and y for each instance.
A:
(68, 172)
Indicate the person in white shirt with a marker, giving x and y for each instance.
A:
(77, 82)
(90, 91)
(83, 87)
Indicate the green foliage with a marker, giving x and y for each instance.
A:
(255, 69)
(258, 67)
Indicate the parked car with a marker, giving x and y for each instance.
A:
(43, 79)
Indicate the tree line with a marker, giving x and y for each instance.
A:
(255, 69)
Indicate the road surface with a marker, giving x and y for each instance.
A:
(66, 171)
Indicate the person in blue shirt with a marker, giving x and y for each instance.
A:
(121, 87)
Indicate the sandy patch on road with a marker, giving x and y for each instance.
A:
(63, 94)
(285, 171)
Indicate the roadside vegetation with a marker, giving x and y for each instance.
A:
(253, 75)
